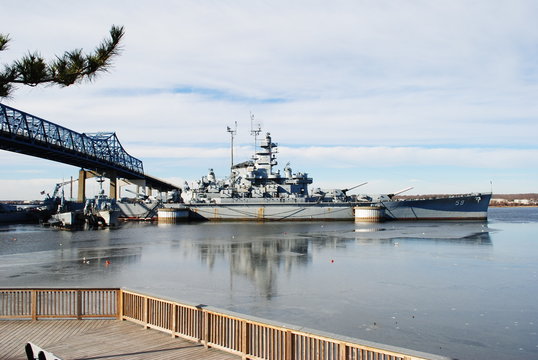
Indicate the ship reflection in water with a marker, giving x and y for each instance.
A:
(466, 231)
(260, 262)
(261, 254)
(462, 289)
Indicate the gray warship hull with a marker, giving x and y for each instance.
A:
(456, 207)
(138, 210)
(459, 207)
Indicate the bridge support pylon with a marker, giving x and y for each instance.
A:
(83, 175)
(113, 189)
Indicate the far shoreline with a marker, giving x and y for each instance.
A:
(513, 206)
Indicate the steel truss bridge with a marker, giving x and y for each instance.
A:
(99, 152)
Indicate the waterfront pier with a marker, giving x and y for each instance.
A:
(120, 323)
(99, 339)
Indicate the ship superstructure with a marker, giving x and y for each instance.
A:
(253, 179)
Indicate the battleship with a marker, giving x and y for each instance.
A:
(255, 191)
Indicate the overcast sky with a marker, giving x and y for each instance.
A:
(438, 95)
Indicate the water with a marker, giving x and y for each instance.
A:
(463, 289)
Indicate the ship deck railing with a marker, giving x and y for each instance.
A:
(207, 327)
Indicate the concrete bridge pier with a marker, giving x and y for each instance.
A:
(83, 175)
(115, 184)
(113, 188)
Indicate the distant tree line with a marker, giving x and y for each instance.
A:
(512, 197)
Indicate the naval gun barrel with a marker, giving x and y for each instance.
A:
(399, 192)
(141, 195)
(402, 191)
(354, 187)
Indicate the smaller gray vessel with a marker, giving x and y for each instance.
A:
(100, 211)
(255, 191)
(12, 214)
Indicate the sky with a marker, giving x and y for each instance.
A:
(435, 95)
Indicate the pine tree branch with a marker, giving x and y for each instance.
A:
(4, 39)
(72, 67)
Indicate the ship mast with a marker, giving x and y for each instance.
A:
(253, 132)
(232, 132)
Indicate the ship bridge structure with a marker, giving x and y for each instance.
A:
(96, 154)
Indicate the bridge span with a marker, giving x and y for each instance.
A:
(95, 153)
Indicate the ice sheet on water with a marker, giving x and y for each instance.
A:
(421, 230)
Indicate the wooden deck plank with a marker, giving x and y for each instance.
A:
(81, 327)
(43, 332)
(99, 340)
(147, 346)
(11, 342)
(17, 330)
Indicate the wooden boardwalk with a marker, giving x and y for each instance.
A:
(98, 340)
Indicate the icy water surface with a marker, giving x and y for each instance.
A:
(467, 290)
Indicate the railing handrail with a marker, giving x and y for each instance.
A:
(40, 288)
(244, 335)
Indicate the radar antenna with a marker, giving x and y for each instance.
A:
(232, 132)
(100, 180)
(253, 132)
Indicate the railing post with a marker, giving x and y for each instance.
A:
(289, 345)
(145, 312)
(33, 299)
(119, 304)
(205, 337)
(200, 322)
(244, 339)
(343, 352)
(174, 321)
(79, 304)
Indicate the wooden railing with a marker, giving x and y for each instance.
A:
(59, 303)
(246, 336)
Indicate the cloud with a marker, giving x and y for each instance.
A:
(346, 156)
(349, 84)
(416, 156)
